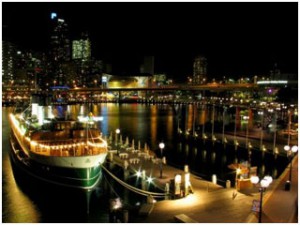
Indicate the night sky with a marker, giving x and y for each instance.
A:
(238, 39)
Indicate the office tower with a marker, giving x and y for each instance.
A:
(81, 49)
(8, 63)
(60, 52)
(60, 42)
(200, 70)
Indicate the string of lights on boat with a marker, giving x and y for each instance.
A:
(21, 130)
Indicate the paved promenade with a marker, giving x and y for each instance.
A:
(217, 205)
(212, 203)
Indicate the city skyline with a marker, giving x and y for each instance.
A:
(238, 39)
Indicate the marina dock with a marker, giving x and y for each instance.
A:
(208, 202)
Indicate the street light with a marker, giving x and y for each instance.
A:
(117, 132)
(223, 131)
(161, 146)
(235, 121)
(262, 128)
(264, 183)
(275, 130)
(290, 152)
(237, 172)
(246, 118)
(213, 123)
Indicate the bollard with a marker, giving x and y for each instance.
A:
(111, 156)
(228, 184)
(125, 164)
(287, 185)
(214, 179)
(167, 191)
(186, 168)
(167, 188)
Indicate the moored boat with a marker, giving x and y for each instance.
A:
(58, 150)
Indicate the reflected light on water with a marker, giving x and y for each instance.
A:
(204, 154)
(187, 149)
(153, 125)
(15, 200)
(213, 157)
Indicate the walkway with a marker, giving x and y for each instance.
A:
(212, 203)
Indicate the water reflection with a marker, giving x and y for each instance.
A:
(15, 200)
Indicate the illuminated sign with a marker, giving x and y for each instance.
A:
(53, 15)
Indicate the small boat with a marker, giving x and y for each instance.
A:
(58, 150)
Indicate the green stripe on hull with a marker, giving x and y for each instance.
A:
(77, 177)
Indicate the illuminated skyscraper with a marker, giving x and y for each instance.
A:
(8, 56)
(81, 49)
(60, 42)
(60, 52)
(200, 70)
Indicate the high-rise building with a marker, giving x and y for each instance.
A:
(8, 55)
(60, 52)
(60, 42)
(81, 49)
(200, 70)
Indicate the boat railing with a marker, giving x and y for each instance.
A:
(64, 147)
(68, 148)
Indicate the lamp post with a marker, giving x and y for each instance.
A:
(289, 127)
(246, 118)
(264, 183)
(161, 146)
(290, 152)
(261, 113)
(237, 172)
(213, 123)
(117, 132)
(275, 130)
(223, 130)
(236, 111)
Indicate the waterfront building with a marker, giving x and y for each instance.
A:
(280, 87)
(159, 79)
(200, 70)
(114, 81)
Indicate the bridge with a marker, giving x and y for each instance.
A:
(10, 94)
(180, 87)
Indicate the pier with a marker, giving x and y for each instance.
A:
(212, 203)
(205, 201)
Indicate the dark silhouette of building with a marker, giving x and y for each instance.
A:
(148, 65)
(200, 70)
